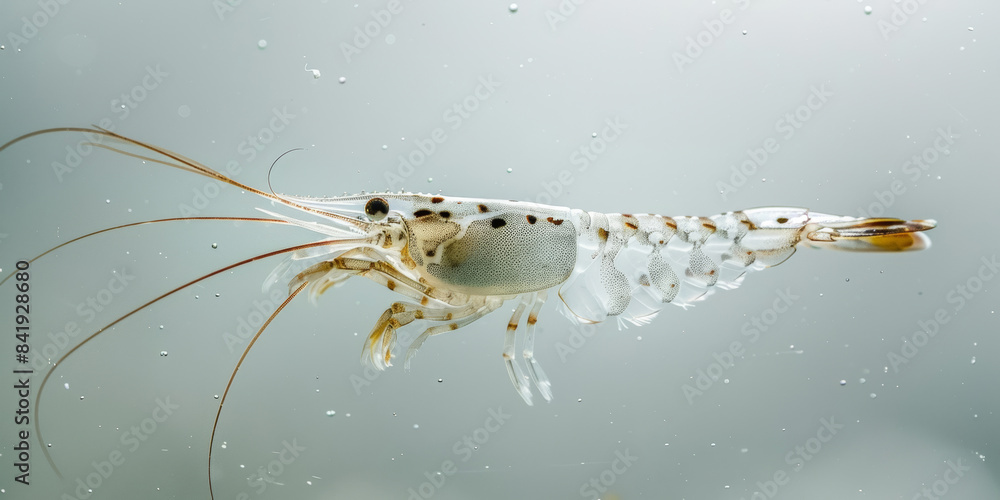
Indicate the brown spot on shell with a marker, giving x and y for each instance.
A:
(498, 223)
(631, 226)
(424, 300)
(391, 285)
(602, 234)
(554, 221)
(532, 219)
(708, 224)
(483, 209)
(430, 253)
(453, 326)
(418, 314)
(397, 308)
(444, 214)
(782, 220)
(422, 213)
(670, 223)
(437, 199)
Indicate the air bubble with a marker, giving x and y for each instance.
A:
(342, 79)
(509, 170)
(330, 413)
(513, 8)
(163, 353)
(843, 382)
(440, 380)
(262, 44)
(215, 245)
(868, 10)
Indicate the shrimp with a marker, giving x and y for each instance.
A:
(455, 260)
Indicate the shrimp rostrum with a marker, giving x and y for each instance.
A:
(455, 260)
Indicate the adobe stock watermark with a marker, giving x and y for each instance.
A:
(953, 473)
(902, 12)
(713, 29)
(270, 472)
(579, 334)
(928, 328)
(88, 310)
(598, 485)
(122, 107)
(30, 26)
(724, 361)
(249, 149)
(248, 325)
(915, 168)
(565, 10)
(582, 158)
(131, 440)
(797, 458)
(454, 117)
(786, 127)
(370, 374)
(364, 34)
(223, 8)
(464, 448)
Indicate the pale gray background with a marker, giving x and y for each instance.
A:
(558, 85)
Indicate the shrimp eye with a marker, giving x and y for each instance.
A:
(377, 209)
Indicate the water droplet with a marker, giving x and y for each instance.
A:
(713, 445)
(81, 398)
(161, 327)
(163, 353)
(509, 170)
(847, 280)
(385, 146)
(216, 396)
(970, 28)
(107, 201)
(843, 382)
(868, 10)
(430, 179)
(330, 413)
(872, 395)
(262, 44)
(973, 360)
(342, 79)
(440, 380)
(215, 245)
(580, 400)
(744, 32)
(49, 445)
(223, 445)
(593, 134)
(513, 8)
(217, 295)
(416, 426)
(862, 380)
(66, 385)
